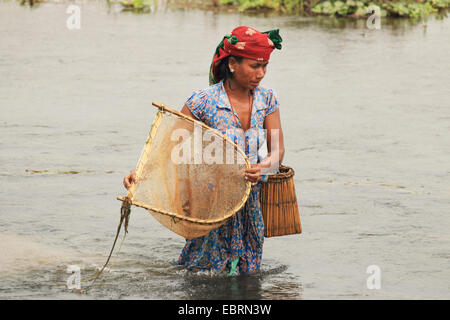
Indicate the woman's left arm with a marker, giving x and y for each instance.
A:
(275, 148)
(275, 143)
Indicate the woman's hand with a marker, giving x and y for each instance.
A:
(129, 179)
(253, 174)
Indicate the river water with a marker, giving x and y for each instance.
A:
(366, 118)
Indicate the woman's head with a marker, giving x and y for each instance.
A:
(243, 55)
(248, 73)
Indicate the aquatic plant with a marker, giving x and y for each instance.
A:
(353, 8)
(253, 4)
(137, 5)
(403, 8)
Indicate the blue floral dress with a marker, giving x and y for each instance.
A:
(241, 238)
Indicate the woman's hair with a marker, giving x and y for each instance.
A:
(224, 69)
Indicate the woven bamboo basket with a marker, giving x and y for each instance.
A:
(279, 204)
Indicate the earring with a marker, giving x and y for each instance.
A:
(232, 70)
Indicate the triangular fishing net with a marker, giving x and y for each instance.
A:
(190, 177)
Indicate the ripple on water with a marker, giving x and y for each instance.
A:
(167, 281)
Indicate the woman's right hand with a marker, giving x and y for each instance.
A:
(129, 179)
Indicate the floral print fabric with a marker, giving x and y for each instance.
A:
(242, 236)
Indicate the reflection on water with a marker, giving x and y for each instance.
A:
(135, 276)
(273, 283)
(146, 283)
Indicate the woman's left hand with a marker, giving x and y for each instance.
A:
(253, 174)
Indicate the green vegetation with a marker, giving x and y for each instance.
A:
(412, 9)
(400, 8)
(137, 5)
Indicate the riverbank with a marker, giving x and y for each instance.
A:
(414, 9)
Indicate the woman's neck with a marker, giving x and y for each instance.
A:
(236, 90)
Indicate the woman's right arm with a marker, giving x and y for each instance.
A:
(185, 110)
(129, 179)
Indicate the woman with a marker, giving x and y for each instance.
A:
(235, 102)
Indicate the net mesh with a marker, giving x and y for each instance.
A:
(189, 177)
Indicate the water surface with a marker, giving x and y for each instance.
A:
(366, 118)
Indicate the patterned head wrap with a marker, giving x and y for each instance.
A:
(244, 42)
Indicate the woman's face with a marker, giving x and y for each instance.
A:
(248, 73)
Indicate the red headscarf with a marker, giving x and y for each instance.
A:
(245, 42)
